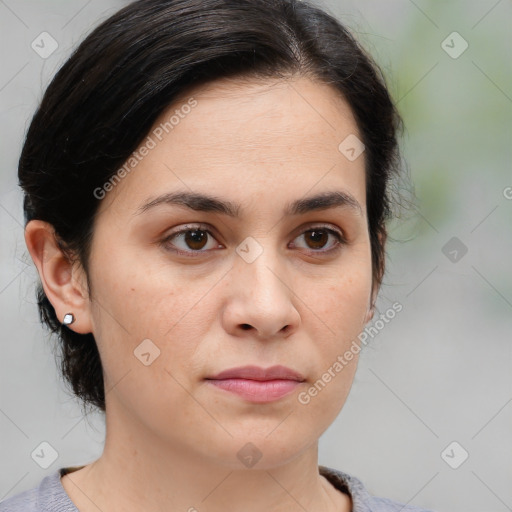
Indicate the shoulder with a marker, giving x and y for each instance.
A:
(48, 496)
(387, 505)
(361, 498)
(26, 501)
(23, 502)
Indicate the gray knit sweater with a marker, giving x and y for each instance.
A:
(50, 495)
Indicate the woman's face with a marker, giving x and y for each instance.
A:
(268, 279)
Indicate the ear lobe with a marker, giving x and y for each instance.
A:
(373, 298)
(377, 279)
(369, 314)
(64, 283)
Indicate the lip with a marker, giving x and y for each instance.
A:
(258, 373)
(258, 385)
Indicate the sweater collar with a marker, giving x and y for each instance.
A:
(343, 482)
(361, 500)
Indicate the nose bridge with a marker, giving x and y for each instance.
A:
(258, 267)
(261, 298)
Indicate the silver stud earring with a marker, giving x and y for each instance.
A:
(69, 318)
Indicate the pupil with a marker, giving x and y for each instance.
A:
(196, 239)
(319, 238)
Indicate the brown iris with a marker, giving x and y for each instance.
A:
(318, 236)
(196, 239)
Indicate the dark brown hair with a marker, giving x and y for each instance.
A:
(105, 98)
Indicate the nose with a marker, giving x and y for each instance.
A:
(260, 301)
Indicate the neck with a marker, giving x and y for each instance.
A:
(138, 471)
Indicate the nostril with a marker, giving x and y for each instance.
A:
(245, 327)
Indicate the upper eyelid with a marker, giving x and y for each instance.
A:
(325, 227)
(300, 231)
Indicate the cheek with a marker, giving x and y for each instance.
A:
(147, 332)
(335, 349)
(133, 303)
(339, 309)
(341, 301)
(131, 291)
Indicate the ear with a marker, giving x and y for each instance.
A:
(377, 278)
(371, 309)
(64, 283)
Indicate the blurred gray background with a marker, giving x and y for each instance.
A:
(435, 385)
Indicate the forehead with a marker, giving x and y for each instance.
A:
(252, 113)
(250, 136)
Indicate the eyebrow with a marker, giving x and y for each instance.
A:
(207, 203)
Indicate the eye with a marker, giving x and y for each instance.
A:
(192, 239)
(316, 238)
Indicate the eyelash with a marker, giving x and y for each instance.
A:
(194, 254)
